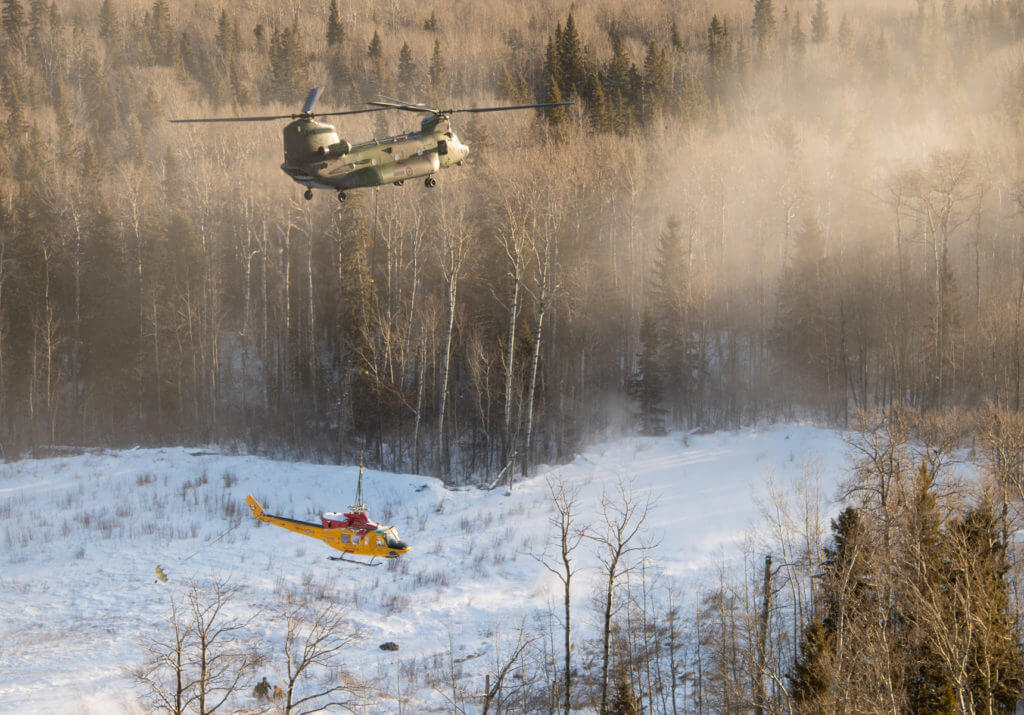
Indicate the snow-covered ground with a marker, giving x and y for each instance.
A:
(82, 535)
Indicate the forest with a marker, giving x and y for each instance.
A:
(752, 211)
(749, 212)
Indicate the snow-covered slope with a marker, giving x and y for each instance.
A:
(82, 536)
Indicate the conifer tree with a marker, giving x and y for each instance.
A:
(674, 37)
(406, 72)
(572, 74)
(431, 24)
(719, 57)
(845, 34)
(599, 114)
(671, 305)
(438, 74)
(335, 30)
(615, 78)
(161, 34)
(657, 82)
(763, 25)
(801, 335)
(556, 116)
(14, 21)
(798, 38)
(646, 386)
(819, 23)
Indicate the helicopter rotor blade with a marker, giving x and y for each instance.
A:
(404, 107)
(304, 115)
(233, 119)
(350, 111)
(477, 110)
(418, 107)
(314, 94)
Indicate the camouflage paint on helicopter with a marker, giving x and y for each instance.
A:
(317, 158)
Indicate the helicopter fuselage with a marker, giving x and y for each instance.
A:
(317, 158)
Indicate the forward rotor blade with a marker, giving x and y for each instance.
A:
(309, 115)
(350, 111)
(311, 98)
(402, 107)
(477, 110)
(233, 119)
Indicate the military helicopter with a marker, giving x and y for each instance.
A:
(351, 532)
(315, 157)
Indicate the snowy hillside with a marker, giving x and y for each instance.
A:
(82, 536)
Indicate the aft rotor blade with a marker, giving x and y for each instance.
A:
(419, 107)
(234, 119)
(311, 98)
(476, 110)
(403, 107)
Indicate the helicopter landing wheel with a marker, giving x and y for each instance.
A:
(341, 195)
(430, 182)
(400, 182)
(308, 195)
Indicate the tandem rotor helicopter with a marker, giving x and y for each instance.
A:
(315, 157)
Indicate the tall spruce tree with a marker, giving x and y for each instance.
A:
(819, 23)
(335, 30)
(646, 386)
(407, 72)
(763, 25)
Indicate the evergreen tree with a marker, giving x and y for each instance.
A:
(646, 385)
(979, 575)
(845, 35)
(623, 699)
(800, 338)
(763, 25)
(616, 72)
(674, 37)
(375, 50)
(431, 24)
(572, 71)
(161, 35)
(657, 82)
(438, 74)
(599, 115)
(798, 38)
(671, 306)
(845, 590)
(819, 23)
(719, 57)
(14, 21)
(556, 116)
(335, 30)
(406, 72)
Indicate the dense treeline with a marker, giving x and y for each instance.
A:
(750, 211)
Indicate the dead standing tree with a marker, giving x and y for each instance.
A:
(618, 541)
(222, 655)
(565, 500)
(169, 688)
(314, 638)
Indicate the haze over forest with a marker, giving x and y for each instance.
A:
(754, 211)
(803, 212)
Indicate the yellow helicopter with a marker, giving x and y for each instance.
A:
(350, 532)
(315, 156)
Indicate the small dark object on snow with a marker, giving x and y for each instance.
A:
(203, 454)
(262, 690)
(421, 487)
(389, 646)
